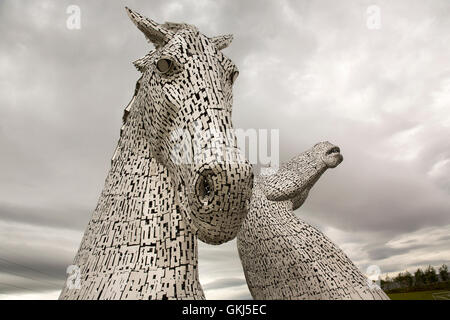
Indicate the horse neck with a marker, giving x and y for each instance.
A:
(137, 235)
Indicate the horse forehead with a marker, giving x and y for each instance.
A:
(190, 42)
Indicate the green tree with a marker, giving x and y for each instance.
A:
(386, 283)
(443, 272)
(419, 277)
(404, 279)
(408, 279)
(430, 275)
(398, 278)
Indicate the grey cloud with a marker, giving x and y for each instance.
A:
(17, 284)
(34, 257)
(224, 283)
(381, 252)
(64, 217)
(240, 296)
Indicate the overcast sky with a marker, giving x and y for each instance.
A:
(312, 69)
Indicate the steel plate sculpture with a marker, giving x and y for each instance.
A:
(141, 242)
(284, 257)
(171, 183)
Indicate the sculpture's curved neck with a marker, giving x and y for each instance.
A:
(137, 245)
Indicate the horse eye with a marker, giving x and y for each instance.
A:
(164, 65)
(234, 76)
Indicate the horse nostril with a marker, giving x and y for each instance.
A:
(204, 188)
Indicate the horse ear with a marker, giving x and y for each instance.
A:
(222, 42)
(154, 32)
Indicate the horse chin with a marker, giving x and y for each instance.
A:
(207, 232)
(223, 228)
(216, 236)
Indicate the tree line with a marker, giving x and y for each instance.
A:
(420, 279)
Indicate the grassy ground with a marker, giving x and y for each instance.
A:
(418, 295)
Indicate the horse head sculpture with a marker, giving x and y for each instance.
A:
(284, 257)
(294, 180)
(185, 94)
